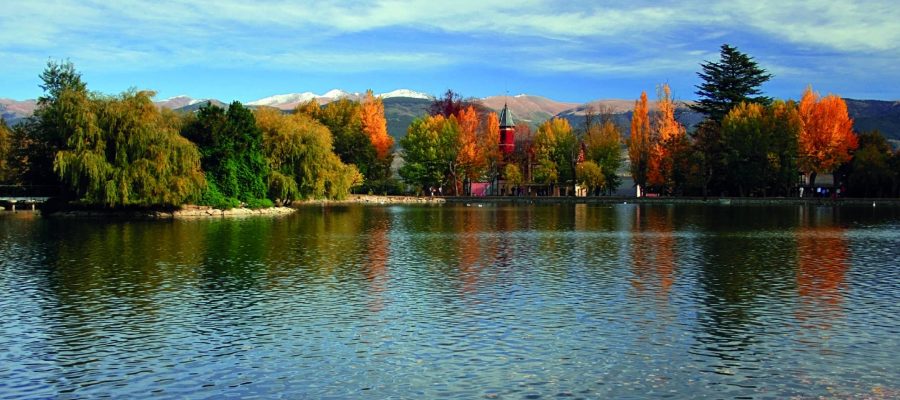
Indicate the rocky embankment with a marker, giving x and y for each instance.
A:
(185, 212)
(372, 199)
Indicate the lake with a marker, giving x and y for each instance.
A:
(499, 301)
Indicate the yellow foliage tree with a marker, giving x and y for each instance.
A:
(639, 142)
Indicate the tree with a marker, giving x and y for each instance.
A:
(301, 162)
(374, 125)
(603, 143)
(430, 150)
(870, 169)
(513, 176)
(122, 151)
(487, 144)
(555, 143)
(230, 143)
(668, 134)
(546, 173)
(745, 137)
(62, 106)
(468, 157)
(639, 142)
(826, 138)
(761, 148)
(734, 79)
(351, 142)
(590, 175)
(5, 153)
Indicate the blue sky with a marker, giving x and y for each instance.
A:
(566, 50)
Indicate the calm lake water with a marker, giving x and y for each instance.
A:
(605, 301)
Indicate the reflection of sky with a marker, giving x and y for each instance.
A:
(570, 51)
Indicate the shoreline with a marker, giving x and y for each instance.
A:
(185, 212)
(711, 201)
(372, 200)
(201, 212)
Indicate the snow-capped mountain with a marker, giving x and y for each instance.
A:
(279, 99)
(177, 102)
(406, 93)
(291, 100)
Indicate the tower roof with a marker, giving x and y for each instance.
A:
(506, 120)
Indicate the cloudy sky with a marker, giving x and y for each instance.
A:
(566, 50)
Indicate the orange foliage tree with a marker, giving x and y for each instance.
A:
(468, 156)
(668, 134)
(826, 138)
(639, 142)
(488, 141)
(374, 125)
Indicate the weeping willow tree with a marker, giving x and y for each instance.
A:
(301, 161)
(123, 151)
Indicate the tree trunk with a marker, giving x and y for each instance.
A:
(812, 183)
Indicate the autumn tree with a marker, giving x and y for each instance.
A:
(374, 125)
(301, 162)
(590, 175)
(603, 142)
(513, 175)
(667, 137)
(639, 145)
(732, 80)
(468, 157)
(122, 151)
(555, 143)
(487, 144)
(826, 139)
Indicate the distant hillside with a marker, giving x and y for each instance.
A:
(14, 111)
(870, 115)
(401, 111)
(191, 107)
(621, 111)
(531, 109)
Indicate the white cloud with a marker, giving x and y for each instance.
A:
(576, 36)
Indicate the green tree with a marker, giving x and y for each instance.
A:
(870, 169)
(590, 175)
(121, 151)
(546, 173)
(351, 144)
(761, 147)
(231, 147)
(63, 106)
(513, 175)
(556, 143)
(603, 144)
(5, 153)
(709, 157)
(734, 79)
(430, 150)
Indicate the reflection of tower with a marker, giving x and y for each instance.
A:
(507, 132)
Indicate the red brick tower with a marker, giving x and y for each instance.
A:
(507, 132)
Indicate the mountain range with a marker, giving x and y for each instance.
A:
(402, 106)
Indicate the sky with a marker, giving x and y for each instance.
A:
(566, 50)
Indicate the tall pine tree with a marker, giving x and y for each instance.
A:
(734, 79)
